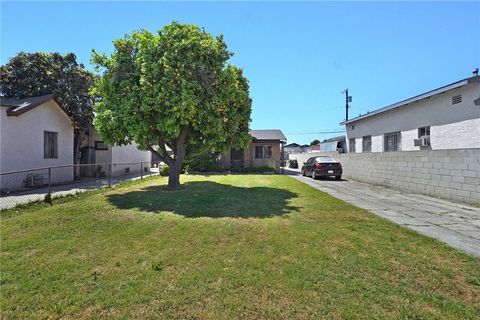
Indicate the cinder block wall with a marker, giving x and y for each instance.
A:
(448, 174)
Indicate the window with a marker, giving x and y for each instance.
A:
(457, 99)
(391, 141)
(325, 159)
(423, 140)
(50, 144)
(263, 152)
(424, 132)
(367, 144)
(236, 154)
(100, 145)
(351, 145)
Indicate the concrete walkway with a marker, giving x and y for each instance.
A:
(453, 223)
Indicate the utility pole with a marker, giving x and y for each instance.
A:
(347, 100)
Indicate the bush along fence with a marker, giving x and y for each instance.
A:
(25, 186)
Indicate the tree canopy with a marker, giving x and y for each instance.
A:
(174, 88)
(315, 142)
(36, 74)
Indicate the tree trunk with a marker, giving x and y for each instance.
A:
(77, 143)
(175, 163)
(174, 177)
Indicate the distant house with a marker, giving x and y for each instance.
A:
(444, 118)
(126, 159)
(292, 148)
(34, 133)
(265, 149)
(334, 144)
(310, 149)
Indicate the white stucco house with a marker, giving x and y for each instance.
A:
(34, 133)
(126, 159)
(444, 118)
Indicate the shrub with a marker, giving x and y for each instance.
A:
(164, 170)
(206, 161)
(262, 169)
(236, 166)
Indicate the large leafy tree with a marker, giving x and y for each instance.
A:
(36, 74)
(172, 89)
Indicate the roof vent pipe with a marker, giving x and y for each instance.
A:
(475, 72)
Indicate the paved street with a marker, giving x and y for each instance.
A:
(453, 223)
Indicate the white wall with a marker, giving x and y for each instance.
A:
(407, 140)
(131, 156)
(358, 145)
(449, 174)
(377, 143)
(464, 134)
(21, 140)
(451, 126)
(130, 153)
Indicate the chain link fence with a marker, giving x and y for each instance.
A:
(25, 186)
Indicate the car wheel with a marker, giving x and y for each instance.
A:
(314, 177)
(338, 177)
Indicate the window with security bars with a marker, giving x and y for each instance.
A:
(351, 144)
(50, 144)
(263, 152)
(367, 144)
(391, 141)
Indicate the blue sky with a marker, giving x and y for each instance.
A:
(298, 57)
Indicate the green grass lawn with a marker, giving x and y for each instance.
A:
(225, 247)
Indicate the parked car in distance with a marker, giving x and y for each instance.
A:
(322, 166)
(293, 164)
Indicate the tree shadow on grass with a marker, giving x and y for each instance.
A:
(209, 199)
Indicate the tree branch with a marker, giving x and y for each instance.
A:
(172, 146)
(180, 145)
(167, 159)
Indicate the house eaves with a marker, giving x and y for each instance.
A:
(17, 107)
(417, 98)
(273, 135)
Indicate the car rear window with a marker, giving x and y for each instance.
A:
(325, 159)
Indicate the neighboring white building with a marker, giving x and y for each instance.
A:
(127, 159)
(34, 133)
(335, 144)
(444, 118)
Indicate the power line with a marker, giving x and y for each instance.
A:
(318, 132)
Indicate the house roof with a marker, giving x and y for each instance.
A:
(274, 134)
(292, 145)
(419, 97)
(20, 106)
(339, 138)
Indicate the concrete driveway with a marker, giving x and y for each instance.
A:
(453, 223)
